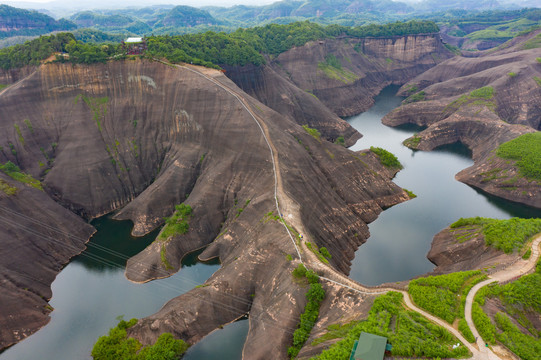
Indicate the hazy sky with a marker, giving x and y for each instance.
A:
(127, 3)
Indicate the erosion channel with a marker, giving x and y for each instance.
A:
(92, 291)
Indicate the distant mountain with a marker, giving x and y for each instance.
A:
(114, 23)
(20, 22)
(187, 16)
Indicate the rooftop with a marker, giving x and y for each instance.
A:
(134, 40)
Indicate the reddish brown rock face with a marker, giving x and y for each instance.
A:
(451, 114)
(140, 137)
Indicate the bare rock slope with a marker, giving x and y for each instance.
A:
(482, 102)
(140, 137)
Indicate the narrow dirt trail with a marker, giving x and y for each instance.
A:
(520, 268)
(311, 261)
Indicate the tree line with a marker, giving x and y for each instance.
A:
(211, 49)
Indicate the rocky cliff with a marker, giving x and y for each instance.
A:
(315, 83)
(140, 137)
(482, 102)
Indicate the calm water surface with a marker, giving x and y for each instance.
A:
(401, 236)
(91, 292)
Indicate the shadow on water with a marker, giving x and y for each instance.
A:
(457, 149)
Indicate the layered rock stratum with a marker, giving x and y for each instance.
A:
(450, 111)
(140, 137)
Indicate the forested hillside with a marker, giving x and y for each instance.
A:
(19, 22)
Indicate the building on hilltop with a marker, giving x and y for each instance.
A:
(134, 46)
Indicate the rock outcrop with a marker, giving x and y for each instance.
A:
(446, 101)
(303, 84)
(140, 137)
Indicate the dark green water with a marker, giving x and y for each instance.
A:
(91, 292)
(401, 236)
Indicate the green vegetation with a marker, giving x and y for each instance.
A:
(465, 330)
(315, 296)
(335, 331)
(319, 252)
(333, 69)
(117, 345)
(3, 86)
(520, 299)
(21, 22)
(163, 258)
(98, 106)
(15, 173)
(7, 189)
(410, 334)
(512, 74)
(178, 223)
(505, 235)
(19, 134)
(211, 49)
(386, 158)
(29, 125)
(410, 193)
(412, 142)
(525, 149)
(537, 80)
(340, 141)
(443, 295)
(420, 96)
(538, 60)
(532, 43)
(314, 132)
(527, 254)
(481, 96)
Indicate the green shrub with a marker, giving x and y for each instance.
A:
(537, 80)
(465, 330)
(314, 297)
(441, 295)
(420, 96)
(505, 235)
(527, 254)
(410, 334)
(300, 271)
(386, 158)
(314, 132)
(512, 74)
(117, 345)
(525, 149)
(482, 323)
(410, 194)
(15, 173)
(178, 223)
(340, 141)
(7, 189)
(526, 347)
(538, 60)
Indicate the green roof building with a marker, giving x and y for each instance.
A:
(369, 347)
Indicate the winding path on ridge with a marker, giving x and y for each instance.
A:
(518, 269)
(292, 211)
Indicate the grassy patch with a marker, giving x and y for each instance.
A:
(178, 223)
(319, 253)
(163, 257)
(525, 150)
(117, 345)
(408, 332)
(315, 296)
(314, 132)
(333, 69)
(442, 295)
(533, 43)
(519, 298)
(537, 80)
(335, 331)
(505, 235)
(386, 158)
(98, 106)
(3, 86)
(481, 96)
(7, 189)
(410, 193)
(512, 74)
(412, 142)
(420, 96)
(340, 141)
(13, 171)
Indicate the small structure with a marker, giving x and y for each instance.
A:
(134, 46)
(369, 347)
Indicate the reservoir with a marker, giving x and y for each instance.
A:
(401, 236)
(91, 293)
